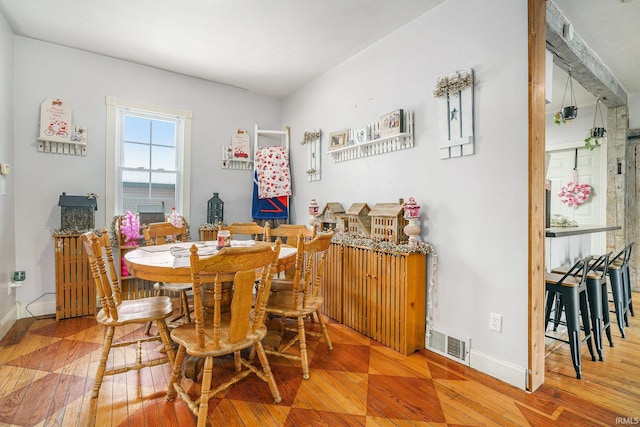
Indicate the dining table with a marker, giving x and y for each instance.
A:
(170, 263)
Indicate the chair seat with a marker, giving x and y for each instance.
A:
(139, 310)
(173, 287)
(186, 335)
(554, 278)
(590, 275)
(280, 303)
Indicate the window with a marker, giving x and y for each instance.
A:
(148, 150)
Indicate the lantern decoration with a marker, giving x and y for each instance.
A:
(130, 228)
(412, 214)
(314, 209)
(215, 210)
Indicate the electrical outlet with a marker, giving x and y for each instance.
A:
(495, 322)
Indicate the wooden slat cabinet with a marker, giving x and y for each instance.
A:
(381, 295)
(75, 289)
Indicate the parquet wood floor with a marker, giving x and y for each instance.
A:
(47, 370)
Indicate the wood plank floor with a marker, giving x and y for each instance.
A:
(47, 370)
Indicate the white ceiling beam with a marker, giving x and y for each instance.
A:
(586, 68)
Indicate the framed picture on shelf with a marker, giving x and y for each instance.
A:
(338, 139)
(392, 123)
(362, 135)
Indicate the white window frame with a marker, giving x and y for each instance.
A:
(116, 107)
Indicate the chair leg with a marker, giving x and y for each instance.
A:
(627, 281)
(205, 393)
(102, 365)
(573, 329)
(262, 357)
(304, 361)
(595, 311)
(558, 313)
(148, 328)
(166, 339)
(586, 322)
(615, 278)
(325, 331)
(175, 376)
(606, 319)
(185, 306)
(551, 295)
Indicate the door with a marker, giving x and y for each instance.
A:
(591, 170)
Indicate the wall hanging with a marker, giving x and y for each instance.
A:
(57, 133)
(312, 141)
(455, 113)
(237, 155)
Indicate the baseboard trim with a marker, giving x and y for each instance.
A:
(8, 321)
(504, 371)
(45, 308)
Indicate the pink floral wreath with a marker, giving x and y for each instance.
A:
(574, 194)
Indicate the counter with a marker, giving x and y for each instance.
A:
(581, 229)
(564, 245)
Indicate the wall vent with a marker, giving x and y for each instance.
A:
(454, 347)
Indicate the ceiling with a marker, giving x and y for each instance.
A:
(274, 47)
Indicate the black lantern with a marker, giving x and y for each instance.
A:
(215, 210)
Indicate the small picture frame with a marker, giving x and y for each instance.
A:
(362, 135)
(338, 139)
(392, 123)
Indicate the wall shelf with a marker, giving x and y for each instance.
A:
(374, 147)
(229, 162)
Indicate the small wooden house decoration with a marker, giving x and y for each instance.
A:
(387, 222)
(331, 214)
(358, 219)
(77, 212)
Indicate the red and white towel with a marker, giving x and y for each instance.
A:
(272, 170)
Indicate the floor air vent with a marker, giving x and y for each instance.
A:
(450, 346)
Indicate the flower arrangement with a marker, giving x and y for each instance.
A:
(563, 221)
(175, 219)
(574, 194)
(453, 84)
(130, 228)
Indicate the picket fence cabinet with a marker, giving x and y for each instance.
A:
(75, 288)
(379, 294)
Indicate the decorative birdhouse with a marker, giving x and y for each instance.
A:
(331, 215)
(358, 219)
(387, 222)
(77, 212)
(215, 210)
(151, 213)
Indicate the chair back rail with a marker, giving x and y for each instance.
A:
(252, 229)
(158, 233)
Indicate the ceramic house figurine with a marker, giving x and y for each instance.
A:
(358, 220)
(331, 215)
(387, 222)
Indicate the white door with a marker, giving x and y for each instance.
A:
(590, 170)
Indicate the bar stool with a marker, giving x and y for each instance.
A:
(572, 289)
(620, 289)
(598, 300)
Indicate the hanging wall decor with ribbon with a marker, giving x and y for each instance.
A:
(574, 194)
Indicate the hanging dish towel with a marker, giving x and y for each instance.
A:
(272, 169)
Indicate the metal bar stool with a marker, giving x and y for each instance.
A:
(571, 287)
(620, 291)
(598, 301)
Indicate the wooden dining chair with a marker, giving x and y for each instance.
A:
(158, 233)
(288, 234)
(304, 299)
(251, 229)
(115, 312)
(226, 332)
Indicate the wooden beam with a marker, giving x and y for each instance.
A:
(586, 67)
(536, 227)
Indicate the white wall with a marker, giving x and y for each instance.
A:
(7, 201)
(83, 80)
(474, 209)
